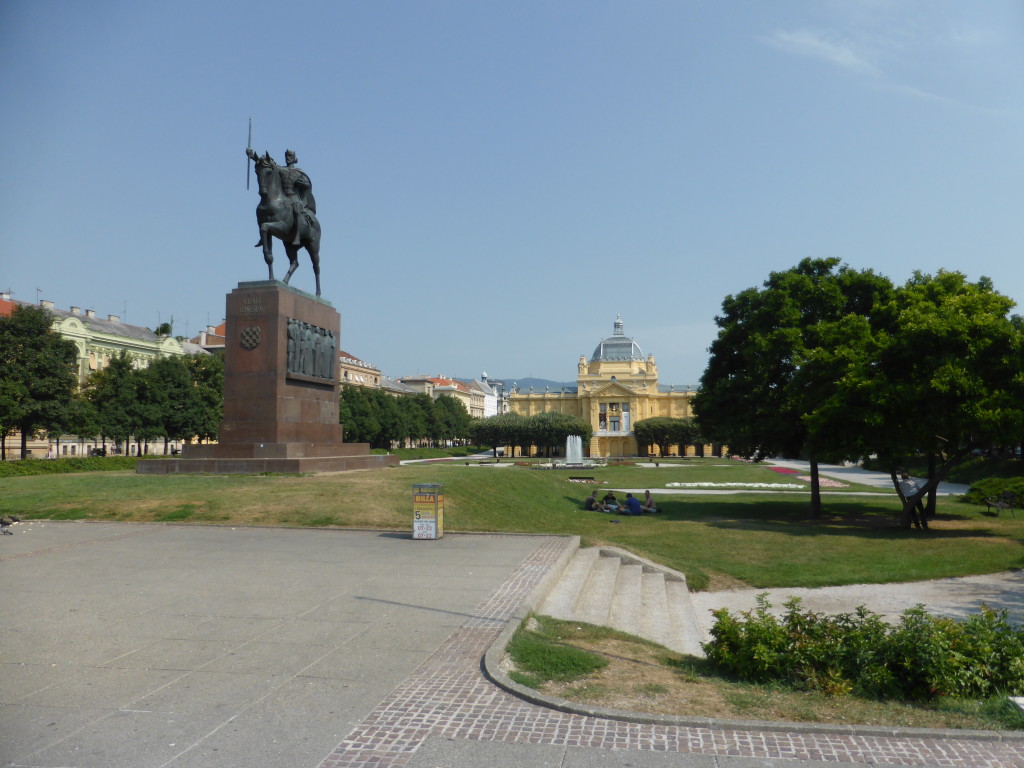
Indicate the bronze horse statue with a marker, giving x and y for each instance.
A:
(288, 218)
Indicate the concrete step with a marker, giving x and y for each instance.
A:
(685, 627)
(627, 607)
(613, 588)
(655, 623)
(595, 603)
(560, 602)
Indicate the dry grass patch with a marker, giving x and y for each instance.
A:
(644, 677)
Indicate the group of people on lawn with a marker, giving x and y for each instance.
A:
(630, 506)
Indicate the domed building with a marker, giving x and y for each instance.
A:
(615, 388)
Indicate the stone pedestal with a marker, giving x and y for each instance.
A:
(280, 391)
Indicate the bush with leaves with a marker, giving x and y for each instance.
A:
(923, 657)
(59, 466)
(994, 486)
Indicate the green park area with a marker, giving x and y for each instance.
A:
(759, 538)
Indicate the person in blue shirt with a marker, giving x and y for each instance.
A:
(633, 506)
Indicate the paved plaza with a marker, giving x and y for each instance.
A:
(153, 646)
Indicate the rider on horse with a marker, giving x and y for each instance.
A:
(296, 187)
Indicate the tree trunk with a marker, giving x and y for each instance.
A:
(24, 444)
(908, 503)
(929, 509)
(815, 491)
(929, 488)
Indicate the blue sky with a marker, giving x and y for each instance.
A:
(497, 181)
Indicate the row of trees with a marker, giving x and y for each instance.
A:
(375, 417)
(829, 364)
(175, 398)
(547, 431)
(665, 432)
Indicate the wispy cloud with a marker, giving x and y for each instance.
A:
(816, 45)
(896, 51)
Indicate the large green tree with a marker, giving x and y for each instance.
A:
(937, 369)
(758, 388)
(358, 415)
(207, 373)
(113, 391)
(498, 431)
(173, 399)
(390, 417)
(453, 415)
(37, 374)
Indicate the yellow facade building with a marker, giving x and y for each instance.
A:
(617, 387)
(97, 341)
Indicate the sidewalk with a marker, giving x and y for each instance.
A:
(161, 646)
(856, 474)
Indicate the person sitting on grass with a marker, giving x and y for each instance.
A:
(633, 506)
(611, 504)
(649, 505)
(593, 505)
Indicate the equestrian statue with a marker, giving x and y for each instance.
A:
(287, 211)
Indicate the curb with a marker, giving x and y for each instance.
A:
(491, 666)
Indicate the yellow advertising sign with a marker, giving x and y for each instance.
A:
(427, 512)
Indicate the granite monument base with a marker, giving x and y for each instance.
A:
(280, 391)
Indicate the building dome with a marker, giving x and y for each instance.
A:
(617, 346)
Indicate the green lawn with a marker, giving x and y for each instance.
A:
(762, 539)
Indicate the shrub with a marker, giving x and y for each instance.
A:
(923, 657)
(57, 466)
(994, 486)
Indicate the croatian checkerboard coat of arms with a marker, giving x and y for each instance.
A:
(251, 336)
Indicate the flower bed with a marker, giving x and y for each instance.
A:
(824, 482)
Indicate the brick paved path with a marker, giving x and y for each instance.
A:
(449, 697)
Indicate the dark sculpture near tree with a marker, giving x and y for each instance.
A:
(287, 211)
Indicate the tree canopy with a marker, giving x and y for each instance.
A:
(375, 417)
(545, 430)
(37, 374)
(828, 363)
(937, 369)
(758, 386)
(665, 432)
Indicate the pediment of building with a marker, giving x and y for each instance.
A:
(72, 325)
(610, 389)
